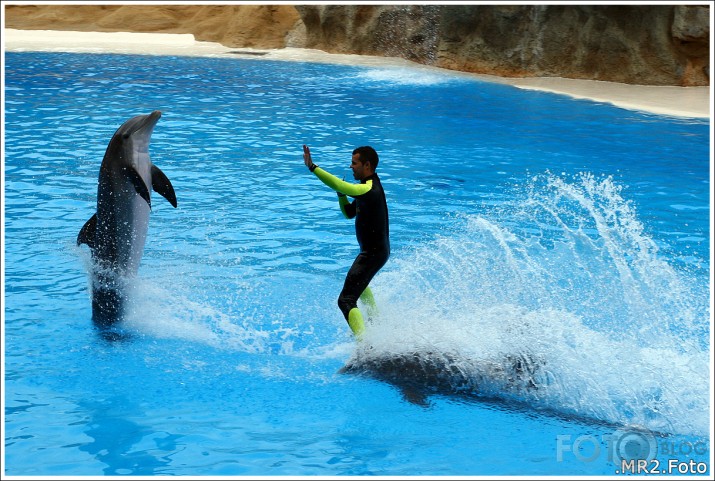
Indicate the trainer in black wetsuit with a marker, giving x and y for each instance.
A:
(371, 227)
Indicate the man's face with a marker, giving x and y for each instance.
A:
(359, 170)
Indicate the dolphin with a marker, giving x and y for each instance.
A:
(116, 233)
(418, 375)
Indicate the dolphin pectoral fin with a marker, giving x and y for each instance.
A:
(86, 233)
(162, 185)
(139, 185)
(414, 395)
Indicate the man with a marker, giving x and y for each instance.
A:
(371, 228)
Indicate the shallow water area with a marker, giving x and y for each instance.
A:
(525, 225)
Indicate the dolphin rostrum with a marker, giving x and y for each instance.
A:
(116, 233)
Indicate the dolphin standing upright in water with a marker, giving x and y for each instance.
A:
(116, 233)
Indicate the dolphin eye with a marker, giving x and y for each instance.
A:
(125, 136)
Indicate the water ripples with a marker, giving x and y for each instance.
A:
(237, 287)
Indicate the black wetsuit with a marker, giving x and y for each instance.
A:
(372, 229)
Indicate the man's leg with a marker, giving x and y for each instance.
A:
(356, 283)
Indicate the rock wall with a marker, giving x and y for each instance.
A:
(637, 44)
(653, 45)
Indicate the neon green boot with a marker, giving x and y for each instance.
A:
(369, 300)
(355, 322)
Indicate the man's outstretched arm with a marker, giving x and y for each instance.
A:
(339, 186)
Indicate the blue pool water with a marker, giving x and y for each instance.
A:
(524, 225)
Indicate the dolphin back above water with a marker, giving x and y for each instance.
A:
(116, 233)
(420, 374)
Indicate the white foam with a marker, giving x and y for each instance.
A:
(405, 76)
(588, 299)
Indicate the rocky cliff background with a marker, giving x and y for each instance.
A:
(636, 44)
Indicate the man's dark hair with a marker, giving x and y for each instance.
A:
(367, 154)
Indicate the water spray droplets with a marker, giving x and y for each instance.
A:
(563, 272)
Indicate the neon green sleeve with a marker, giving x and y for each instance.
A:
(344, 203)
(347, 188)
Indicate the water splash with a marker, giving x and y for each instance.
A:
(563, 272)
(405, 76)
(178, 313)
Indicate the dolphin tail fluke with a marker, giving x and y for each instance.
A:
(161, 184)
(139, 185)
(86, 233)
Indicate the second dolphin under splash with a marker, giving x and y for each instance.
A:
(117, 232)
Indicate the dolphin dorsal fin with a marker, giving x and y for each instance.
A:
(86, 233)
(162, 185)
(139, 185)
